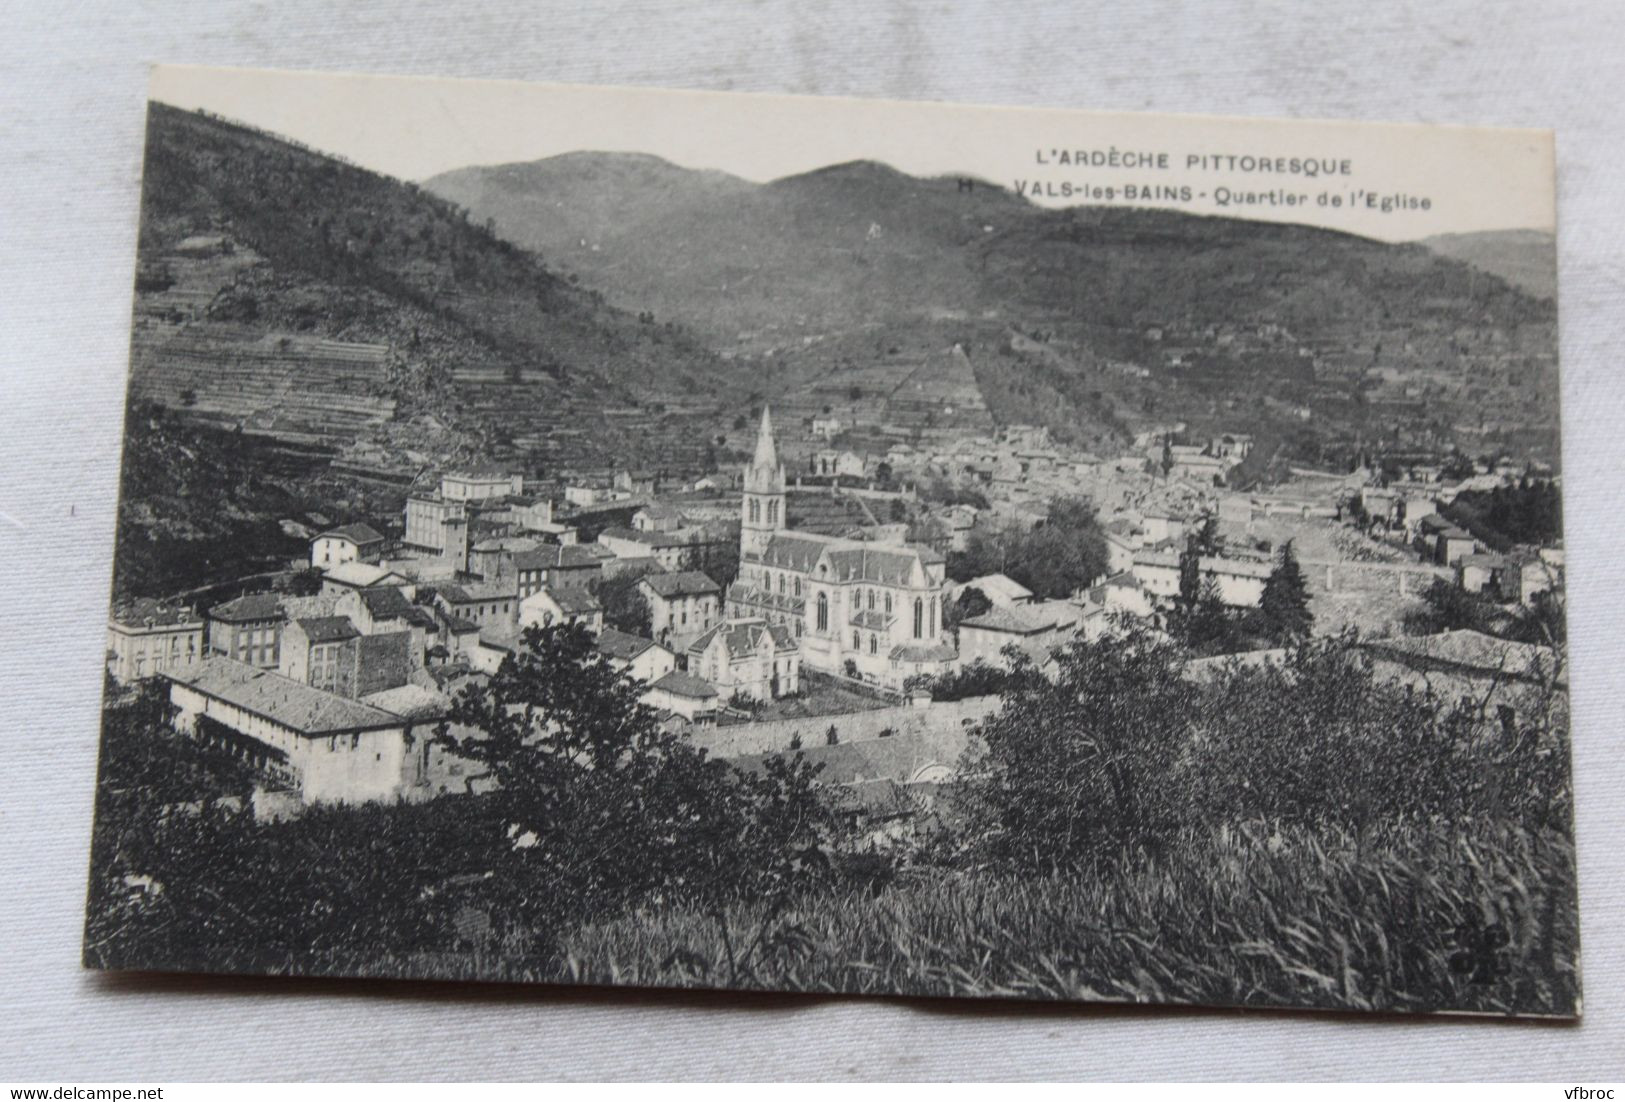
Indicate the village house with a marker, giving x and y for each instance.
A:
(360, 575)
(656, 517)
(482, 603)
(830, 463)
(327, 748)
(147, 637)
(1001, 590)
(749, 658)
(1123, 542)
(1118, 595)
(682, 606)
(331, 653)
(1443, 542)
(826, 428)
(1479, 573)
(1240, 582)
(628, 543)
(493, 556)
(351, 543)
(646, 660)
(481, 484)
(559, 565)
(1032, 629)
(684, 695)
(248, 629)
(310, 652)
(562, 605)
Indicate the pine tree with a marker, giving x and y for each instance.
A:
(1285, 603)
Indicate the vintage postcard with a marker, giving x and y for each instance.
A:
(672, 539)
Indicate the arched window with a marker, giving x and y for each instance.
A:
(755, 510)
(856, 642)
(888, 604)
(797, 583)
(935, 623)
(773, 510)
(872, 644)
(919, 617)
(871, 598)
(823, 612)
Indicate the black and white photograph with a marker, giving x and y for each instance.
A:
(623, 537)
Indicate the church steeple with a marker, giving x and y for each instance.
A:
(761, 511)
(766, 454)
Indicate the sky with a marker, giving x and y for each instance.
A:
(1471, 179)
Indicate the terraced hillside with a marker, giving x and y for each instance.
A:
(1096, 322)
(290, 293)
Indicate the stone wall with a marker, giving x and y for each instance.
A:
(774, 735)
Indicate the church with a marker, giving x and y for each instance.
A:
(853, 607)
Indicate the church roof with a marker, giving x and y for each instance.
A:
(797, 551)
(888, 566)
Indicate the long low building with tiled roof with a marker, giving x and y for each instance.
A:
(329, 748)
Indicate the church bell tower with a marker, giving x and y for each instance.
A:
(761, 512)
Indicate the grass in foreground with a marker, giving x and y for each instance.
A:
(1477, 922)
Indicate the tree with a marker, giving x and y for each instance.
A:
(1053, 560)
(1285, 602)
(625, 608)
(1206, 538)
(970, 603)
(1190, 575)
(716, 559)
(1074, 768)
(600, 808)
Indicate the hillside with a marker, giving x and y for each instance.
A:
(1095, 321)
(343, 330)
(277, 283)
(1527, 259)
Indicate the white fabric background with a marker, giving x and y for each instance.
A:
(71, 97)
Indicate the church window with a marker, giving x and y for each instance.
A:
(781, 584)
(856, 642)
(823, 612)
(755, 510)
(773, 511)
(919, 617)
(797, 581)
(872, 644)
(871, 599)
(888, 604)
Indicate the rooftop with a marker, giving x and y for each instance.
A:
(563, 556)
(359, 574)
(146, 612)
(327, 629)
(253, 606)
(386, 602)
(302, 708)
(679, 683)
(681, 583)
(1013, 621)
(622, 645)
(572, 598)
(358, 534)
